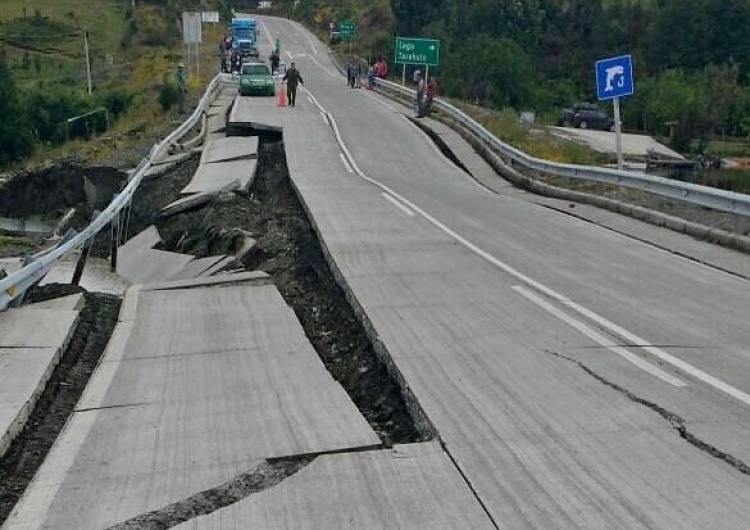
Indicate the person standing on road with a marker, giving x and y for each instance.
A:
(416, 76)
(292, 78)
(275, 61)
(431, 93)
(181, 87)
(349, 73)
(421, 87)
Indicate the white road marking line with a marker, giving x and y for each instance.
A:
(289, 55)
(705, 377)
(379, 101)
(325, 120)
(345, 161)
(397, 204)
(326, 70)
(599, 338)
(307, 36)
(268, 34)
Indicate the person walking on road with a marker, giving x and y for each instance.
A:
(292, 78)
(275, 61)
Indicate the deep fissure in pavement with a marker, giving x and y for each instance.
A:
(96, 323)
(265, 476)
(287, 248)
(676, 421)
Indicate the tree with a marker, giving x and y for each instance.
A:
(15, 137)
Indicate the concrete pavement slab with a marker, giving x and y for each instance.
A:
(632, 144)
(216, 124)
(196, 267)
(150, 265)
(230, 148)
(256, 277)
(36, 328)
(74, 302)
(97, 276)
(198, 387)
(148, 238)
(24, 372)
(412, 487)
(474, 163)
(262, 114)
(199, 199)
(32, 340)
(219, 266)
(219, 174)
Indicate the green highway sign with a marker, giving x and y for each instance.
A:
(347, 29)
(417, 51)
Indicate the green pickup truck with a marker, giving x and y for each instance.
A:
(256, 80)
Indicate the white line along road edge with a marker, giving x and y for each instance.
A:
(398, 205)
(598, 337)
(602, 322)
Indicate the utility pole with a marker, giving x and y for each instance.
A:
(88, 57)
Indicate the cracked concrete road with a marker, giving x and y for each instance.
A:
(431, 261)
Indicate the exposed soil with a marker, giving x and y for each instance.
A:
(26, 454)
(52, 190)
(288, 250)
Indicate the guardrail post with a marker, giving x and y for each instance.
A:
(81, 263)
(114, 242)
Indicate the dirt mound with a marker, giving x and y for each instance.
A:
(50, 191)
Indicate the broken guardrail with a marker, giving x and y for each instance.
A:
(727, 201)
(14, 286)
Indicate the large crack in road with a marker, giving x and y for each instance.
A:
(676, 421)
(265, 476)
(288, 250)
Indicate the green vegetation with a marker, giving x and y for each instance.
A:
(43, 75)
(537, 142)
(692, 58)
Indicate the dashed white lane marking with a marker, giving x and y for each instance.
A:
(397, 204)
(325, 119)
(346, 162)
(604, 323)
(599, 338)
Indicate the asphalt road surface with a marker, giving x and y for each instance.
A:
(578, 378)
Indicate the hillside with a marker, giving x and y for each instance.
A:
(43, 73)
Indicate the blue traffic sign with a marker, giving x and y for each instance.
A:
(614, 77)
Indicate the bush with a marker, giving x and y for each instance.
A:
(116, 101)
(168, 95)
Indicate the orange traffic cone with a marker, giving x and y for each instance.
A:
(282, 96)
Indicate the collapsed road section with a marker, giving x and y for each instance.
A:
(268, 230)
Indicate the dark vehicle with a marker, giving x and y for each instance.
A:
(566, 119)
(593, 119)
(587, 116)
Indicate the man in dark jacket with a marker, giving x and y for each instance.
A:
(292, 78)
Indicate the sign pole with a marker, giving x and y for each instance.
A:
(403, 75)
(618, 134)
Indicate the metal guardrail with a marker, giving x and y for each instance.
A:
(15, 284)
(727, 201)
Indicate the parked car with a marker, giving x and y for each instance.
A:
(586, 116)
(593, 119)
(566, 119)
(256, 79)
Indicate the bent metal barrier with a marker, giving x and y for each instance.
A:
(15, 285)
(717, 199)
